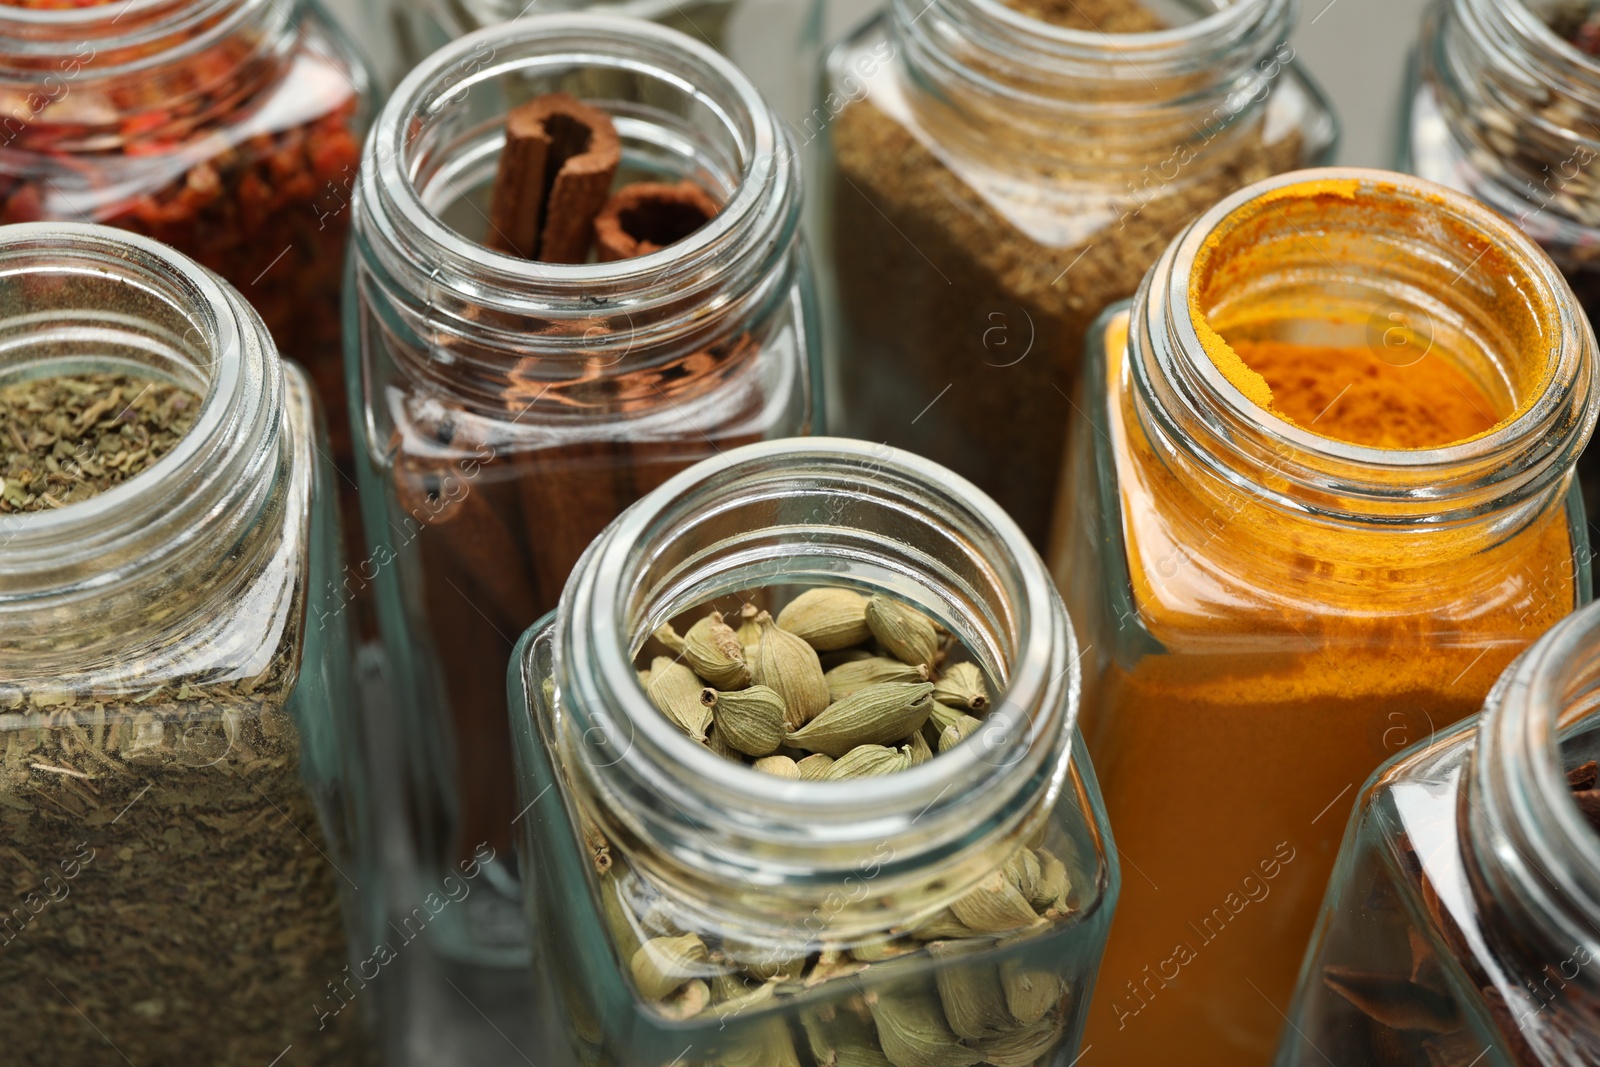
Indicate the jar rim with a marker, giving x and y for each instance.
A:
(62, 33)
(599, 40)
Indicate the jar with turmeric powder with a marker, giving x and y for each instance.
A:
(995, 172)
(1504, 103)
(1322, 494)
(1463, 922)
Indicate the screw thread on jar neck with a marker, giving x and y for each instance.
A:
(1532, 857)
(94, 574)
(746, 849)
(1461, 279)
(682, 111)
(1137, 95)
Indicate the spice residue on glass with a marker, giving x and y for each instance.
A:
(1578, 25)
(65, 439)
(839, 685)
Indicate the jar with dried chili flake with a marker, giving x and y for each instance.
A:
(512, 407)
(228, 129)
(180, 793)
(1504, 103)
(949, 909)
(1323, 495)
(1462, 924)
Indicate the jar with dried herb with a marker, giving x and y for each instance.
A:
(228, 129)
(908, 866)
(1502, 103)
(181, 795)
(995, 175)
(1462, 924)
(1323, 495)
(513, 406)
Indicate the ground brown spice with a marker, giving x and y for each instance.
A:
(949, 308)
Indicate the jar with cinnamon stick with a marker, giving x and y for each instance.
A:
(511, 407)
(1323, 495)
(996, 173)
(228, 129)
(1503, 102)
(181, 797)
(949, 908)
(1462, 924)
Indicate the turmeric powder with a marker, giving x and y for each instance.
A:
(1253, 663)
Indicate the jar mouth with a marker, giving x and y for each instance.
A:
(121, 37)
(131, 303)
(1421, 262)
(409, 150)
(1539, 854)
(995, 596)
(1519, 19)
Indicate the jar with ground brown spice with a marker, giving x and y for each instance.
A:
(1323, 495)
(1462, 924)
(511, 407)
(1504, 103)
(907, 908)
(180, 790)
(995, 175)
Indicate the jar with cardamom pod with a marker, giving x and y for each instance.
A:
(1462, 924)
(1502, 103)
(891, 905)
(510, 408)
(181, 794)
(228, 129)
(995, 173)
(1323, 494)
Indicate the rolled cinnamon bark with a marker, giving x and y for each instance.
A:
(556, 170)
(646, 217)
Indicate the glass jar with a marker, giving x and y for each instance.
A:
(1463, 918)
(1502, 105)
(181, 802)
(634, 831)
(1276, 598)
(511, 409)
(228, 129)
(992, 181)
(775, 42)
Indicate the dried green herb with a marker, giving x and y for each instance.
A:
(67, 438)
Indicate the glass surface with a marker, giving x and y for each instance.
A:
(632, 832)
(511, 409)
(991, 182)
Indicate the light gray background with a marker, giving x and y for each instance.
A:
(1355, 49)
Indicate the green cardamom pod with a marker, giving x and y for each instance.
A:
(750, 720)
(676, 691)
(1031, 993)
(778, 767)
(962, 686)
(766, 961)
(913, 1032)
(1024, 870)
(713, 650)
(854, 675)
(944, 716)
(883, 948)
(908, 634)
(827, 619)
(749, 633)
(942, 926)
(662, 964)
(840, 1039)
(1023, 1046)
(995, 906)
(690, 1000)
(868, 761)
(1052, 886)
(974, 1001)
(789, 665)
(814, 767)
(875, 715)
(668, 635)
(644, 678)
(920, 752)
(958, 731)
(766, 1044)
(719, 744)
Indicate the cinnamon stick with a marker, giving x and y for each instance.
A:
(560, 158)
(646, 217)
